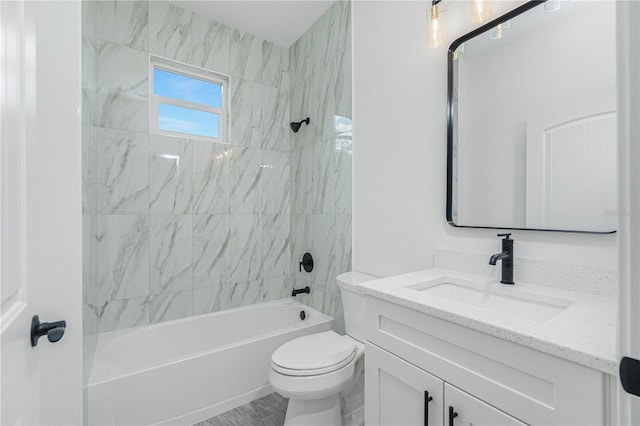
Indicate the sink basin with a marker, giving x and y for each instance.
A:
(507, 301)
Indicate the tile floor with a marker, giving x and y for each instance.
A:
(267, 411)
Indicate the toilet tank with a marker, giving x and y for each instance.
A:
(353, 303)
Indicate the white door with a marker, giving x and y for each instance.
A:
(40, 211)
(398, 393)
(628, 40)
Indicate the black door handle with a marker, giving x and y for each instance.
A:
(452, 415)
(427, 400)
(53, 330)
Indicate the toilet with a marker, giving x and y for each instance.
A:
(313, 371)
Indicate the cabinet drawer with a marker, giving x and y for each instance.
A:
(536, 388)
(470, 411)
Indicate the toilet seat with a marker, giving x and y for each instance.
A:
(314, 354)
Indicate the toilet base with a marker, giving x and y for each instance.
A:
(314, 412)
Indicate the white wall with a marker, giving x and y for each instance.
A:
(400, 149)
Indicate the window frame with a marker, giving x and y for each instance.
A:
(192, 72)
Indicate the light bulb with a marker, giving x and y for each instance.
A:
(435, 30)
(480, 10)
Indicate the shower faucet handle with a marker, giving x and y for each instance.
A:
(307, 262)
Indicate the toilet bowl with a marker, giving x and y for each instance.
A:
(314, 371)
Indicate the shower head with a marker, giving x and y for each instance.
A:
(295, 125)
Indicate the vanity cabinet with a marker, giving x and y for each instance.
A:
(487, 380)
(399, 393)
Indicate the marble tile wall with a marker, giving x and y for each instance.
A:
(320, 88)
(178, 227)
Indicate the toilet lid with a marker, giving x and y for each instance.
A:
(314, 354)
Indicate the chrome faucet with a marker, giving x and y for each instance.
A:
(507, 259)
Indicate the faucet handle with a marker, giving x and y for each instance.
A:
(506, 236)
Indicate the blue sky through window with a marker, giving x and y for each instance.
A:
(184, 120)
(178, 86)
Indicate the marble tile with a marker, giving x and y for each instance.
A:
(323, 249)
(211, 251)
(123, 257)
(122, 172)
(169, 305)
(245, 55)
(227, 296)
(210, 44)
(300, 59)
(276, 288)
(344, 244)
(90, 259)
(89, 79)
(323, 90)
(315, 299)
(124, 22)
(170, 175)
(89, 12)
(274, 125)
(275, 178)
(338, 29)
(324, 178)
(342, 145)
(244, 294)
(333, 307)
(275, 245)
(208, 299)
(246, 113)
(343, 84)
(89, 171)
(274, 69)
(302, 236)
(170, 31)
(170, 253)
(211, 178)
(123, 88)
(302, 180)
(245, 189)
(246, 248)
(119, 314)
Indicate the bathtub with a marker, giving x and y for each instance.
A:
(187, 370)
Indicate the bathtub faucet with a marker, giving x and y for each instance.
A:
(297, 291)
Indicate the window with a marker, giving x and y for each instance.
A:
(187, 100)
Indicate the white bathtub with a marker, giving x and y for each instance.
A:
(187, 370)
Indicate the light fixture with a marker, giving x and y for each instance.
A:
(498, 31)
(435, 31)
(553, 5)
(480, 10)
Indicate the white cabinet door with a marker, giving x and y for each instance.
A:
(462, 409)
(398, 393)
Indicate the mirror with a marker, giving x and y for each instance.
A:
(531, 129)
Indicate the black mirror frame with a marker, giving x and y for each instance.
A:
(450, 64)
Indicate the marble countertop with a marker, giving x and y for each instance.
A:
(584, 332)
